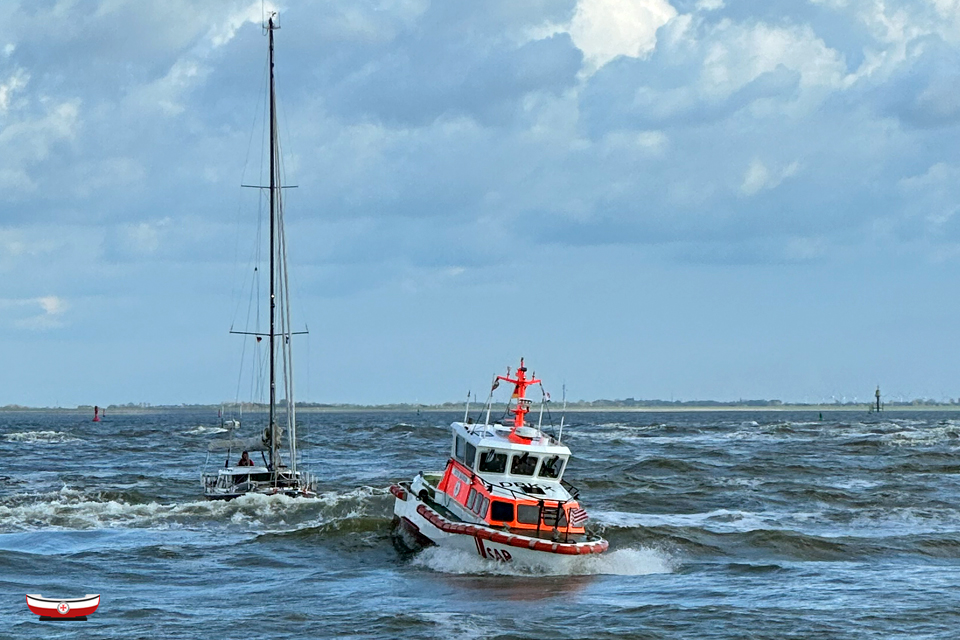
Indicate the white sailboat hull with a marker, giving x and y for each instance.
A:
(232, 482)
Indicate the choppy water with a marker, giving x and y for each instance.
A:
(722, 525)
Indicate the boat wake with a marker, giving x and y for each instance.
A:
(621, 562)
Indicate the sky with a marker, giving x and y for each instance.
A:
(675, 199)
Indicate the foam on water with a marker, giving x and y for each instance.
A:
(621, 562)
(717, 521)
(455, 624)
(45, 437)
(201, 430)
(72, 509)
(827, 523)
(940, 434)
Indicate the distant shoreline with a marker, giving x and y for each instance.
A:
(554, 408)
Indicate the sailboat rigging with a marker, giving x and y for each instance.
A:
(276, 475)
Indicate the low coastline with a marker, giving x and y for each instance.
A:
(573, 408)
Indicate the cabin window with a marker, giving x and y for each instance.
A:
(493, 462)
(240, 479)
(559, 521)
(523, 464)
(458, 451)
(260, 477)
(477, 503)
(471, 455)
(551, 467)
(501, 511)
(528, 513)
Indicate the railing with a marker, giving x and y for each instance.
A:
(572, 490)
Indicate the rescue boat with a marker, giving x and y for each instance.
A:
(63, 608)
(502, 494)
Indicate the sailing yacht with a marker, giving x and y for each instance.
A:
(276, 472)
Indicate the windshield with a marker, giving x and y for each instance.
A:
(493, 461)
(523, 464)
(551, 467)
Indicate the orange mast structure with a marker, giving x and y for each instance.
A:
(521, 382)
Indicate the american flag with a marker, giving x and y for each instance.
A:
(578, 516)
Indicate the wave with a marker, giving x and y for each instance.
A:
(200, 430)
(716, 521)
(876, 522)
(621, 562)
(75, 510)
(925, 437)
(46, 437)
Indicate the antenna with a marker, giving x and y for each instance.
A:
(563, 414)
(269, 20)
(490, 402)
(543, 403)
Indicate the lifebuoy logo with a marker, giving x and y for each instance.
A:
(63, 608)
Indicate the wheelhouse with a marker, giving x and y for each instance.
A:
(484, 452)
(499, 477)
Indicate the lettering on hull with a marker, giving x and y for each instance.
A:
(500, 555)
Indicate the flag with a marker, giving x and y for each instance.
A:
(516, 391)
(578, 516)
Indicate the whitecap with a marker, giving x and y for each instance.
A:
(200, 430)
(72, 509)
(45, 437)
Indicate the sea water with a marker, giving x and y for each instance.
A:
(721, 525)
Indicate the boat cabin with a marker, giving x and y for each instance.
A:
(236, 480)
(510, 478)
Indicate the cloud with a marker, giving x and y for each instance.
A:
(931, 202)
(17, 81)
(758, 176)
(710, 5)
(24, 311)
(605, 29)
(28, 139)
(412, 87)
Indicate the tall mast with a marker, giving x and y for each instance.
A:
(521, 382)
(274, 449)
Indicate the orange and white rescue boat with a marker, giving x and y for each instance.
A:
(502, 494)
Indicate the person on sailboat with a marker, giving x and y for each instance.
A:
(245, 460)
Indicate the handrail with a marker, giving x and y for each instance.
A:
(575, 492)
